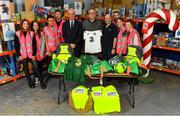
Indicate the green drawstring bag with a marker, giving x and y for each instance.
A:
(56, 66)
(134, 68)
(113, 61)
(95, 68)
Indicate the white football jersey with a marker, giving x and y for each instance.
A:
(92, 41)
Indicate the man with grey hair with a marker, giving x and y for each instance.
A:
(92, 33)
(73, 33)
(92, 24)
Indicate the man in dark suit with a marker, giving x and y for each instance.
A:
(73, 33)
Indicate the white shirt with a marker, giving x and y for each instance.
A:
(92, 41)
(71, 22)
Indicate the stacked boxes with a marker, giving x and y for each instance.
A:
(29, 4)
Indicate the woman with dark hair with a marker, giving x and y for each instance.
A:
(25, 46)
(40, 44)
(121, 41)
(40, 40)
(133, 37)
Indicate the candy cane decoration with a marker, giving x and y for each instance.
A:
(147, 29)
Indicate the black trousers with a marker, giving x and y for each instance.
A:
(77, 51)
(36, 71)
(106, 53)
(47, 60)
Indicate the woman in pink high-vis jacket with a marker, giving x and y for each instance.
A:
(121, 42)
(133, 37)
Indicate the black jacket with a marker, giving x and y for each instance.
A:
(73, 35)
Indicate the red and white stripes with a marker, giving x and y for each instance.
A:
(147, 29)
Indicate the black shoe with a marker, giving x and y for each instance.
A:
(42, 84)
(31, 84)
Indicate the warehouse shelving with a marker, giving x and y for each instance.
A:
(167, 48)
(165, 70)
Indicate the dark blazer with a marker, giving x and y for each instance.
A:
(73, 35)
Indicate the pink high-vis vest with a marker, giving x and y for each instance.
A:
(59, 30)
(121, 42)
(134, 38)
(25, 44)
(38, 44)
(51, 38)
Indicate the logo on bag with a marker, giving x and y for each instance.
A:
(79, 91)
(97, 93)
(78, 63)
(111, 94)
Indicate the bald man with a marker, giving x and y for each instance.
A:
(73, 33)
(109, 38)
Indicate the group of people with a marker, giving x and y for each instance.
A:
(33, 44)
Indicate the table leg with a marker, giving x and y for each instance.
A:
(64, 84)
(59, 93)
(130, 87)
(133, 100)
(131, 91)
(101, 81)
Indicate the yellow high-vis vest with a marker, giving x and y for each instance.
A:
(132, 55)
(80, 97)
(64, 53)
(106, 99)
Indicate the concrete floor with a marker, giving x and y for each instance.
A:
(159, 98)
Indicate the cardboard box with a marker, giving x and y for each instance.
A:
(117, 1)
(108, 5)
(98, 1)
(11, 8)
(126, 3)
(97, 5)
(27, 15)
(29, 4)
(108, 1)
(138, 1)
(116, 6)
(79, 1)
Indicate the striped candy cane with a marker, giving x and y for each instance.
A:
(147, 30)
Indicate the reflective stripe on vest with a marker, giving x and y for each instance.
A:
(25, 44)
(51, 38)
(59, 30)
(40, 54)
(134, 37)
